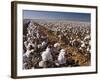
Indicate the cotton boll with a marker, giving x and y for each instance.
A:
(44, 43)
(28, 52)
(56, 45)
(42, 64)
(61, 57)
(46, 55)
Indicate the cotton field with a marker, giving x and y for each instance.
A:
(56, 43)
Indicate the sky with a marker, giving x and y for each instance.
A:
(31, 14)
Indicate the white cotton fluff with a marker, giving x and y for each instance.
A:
(88, 49)
(46, 55)
(83, 44)
(28, 52)
(42, 64)
(56, 45)
(44, 43)
(25, 43)
(39, 45)
(87, 37)
(31, 44)
(38, 35)
(61, 57)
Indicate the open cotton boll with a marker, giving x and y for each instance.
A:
(46, 55)
(28, 52)
(44, 43)
(57, 45)
(42, 64)
(61, 57)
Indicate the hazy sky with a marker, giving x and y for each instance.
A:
(31, 14)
